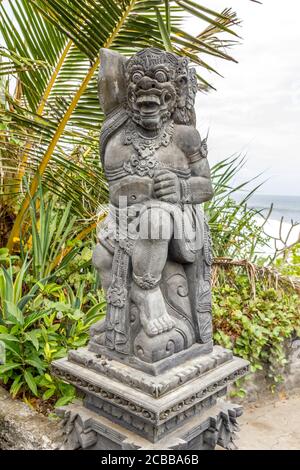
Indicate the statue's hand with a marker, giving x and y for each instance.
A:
(167, 186)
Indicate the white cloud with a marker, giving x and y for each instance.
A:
(256, 108)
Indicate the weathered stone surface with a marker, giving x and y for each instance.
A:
(24, 429)
(169, 378)
(271, 424)
(153, 253)
(87, 430)
(291, 373)
(150, 367)
(153, 407)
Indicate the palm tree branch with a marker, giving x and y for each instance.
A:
(45, 160)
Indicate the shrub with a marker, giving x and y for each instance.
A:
(39, 322)
(255, 327)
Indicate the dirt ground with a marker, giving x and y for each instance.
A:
(268, 426)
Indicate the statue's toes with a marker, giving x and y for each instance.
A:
(164, 322)
(170, 323)
(160, 325)
(152, 329)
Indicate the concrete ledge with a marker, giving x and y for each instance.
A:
(24, 429)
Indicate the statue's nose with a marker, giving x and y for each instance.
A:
(146, 83)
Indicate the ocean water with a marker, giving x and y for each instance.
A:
(287, 207)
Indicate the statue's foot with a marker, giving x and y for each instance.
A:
(153, 313)
(98, 339)
(157, 325)
(98, 328)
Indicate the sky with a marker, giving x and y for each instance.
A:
(256, 108)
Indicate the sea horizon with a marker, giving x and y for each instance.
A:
(285, 206)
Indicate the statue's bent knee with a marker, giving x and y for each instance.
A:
(102, 258)
(102, 261)
(156, 224)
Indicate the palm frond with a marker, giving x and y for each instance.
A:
(57, 116)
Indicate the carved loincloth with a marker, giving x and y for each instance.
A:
(117, 233)
(120, 226)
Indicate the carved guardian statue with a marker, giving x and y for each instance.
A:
(156, 271)
(150, 377)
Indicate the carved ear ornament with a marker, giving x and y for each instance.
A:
(204, 148)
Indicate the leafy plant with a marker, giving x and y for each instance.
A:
(49, 139)
(289, 263)
(51, 241)
(236, 232)
(255, 327)
(38, 327)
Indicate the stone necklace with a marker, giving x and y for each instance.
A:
(143, 162)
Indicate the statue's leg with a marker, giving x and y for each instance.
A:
(102, 260)
(148, 261)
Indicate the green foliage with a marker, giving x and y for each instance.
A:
(36, 329)
(45, 310)
(289, 264)
(4, 255)
(52, 228)
(255, 327)
(52, 50)
(48, 297)
(234, 227)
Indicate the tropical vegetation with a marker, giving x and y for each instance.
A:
(53, 191)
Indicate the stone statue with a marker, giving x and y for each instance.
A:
(150, 377)
(156, 279)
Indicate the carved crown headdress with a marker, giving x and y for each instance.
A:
(151, 57)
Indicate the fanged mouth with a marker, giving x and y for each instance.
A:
(148, 104)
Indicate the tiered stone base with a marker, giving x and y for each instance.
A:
(125, 408)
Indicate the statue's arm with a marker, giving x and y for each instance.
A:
(197, 188)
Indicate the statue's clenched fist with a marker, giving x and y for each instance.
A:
(166, 186)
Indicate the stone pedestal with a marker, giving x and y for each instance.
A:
(127, 408)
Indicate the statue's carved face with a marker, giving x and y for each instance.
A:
(151, 95)
(160, 85)
(153, 87)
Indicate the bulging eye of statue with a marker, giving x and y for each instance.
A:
(137, 76)
(161, 76)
